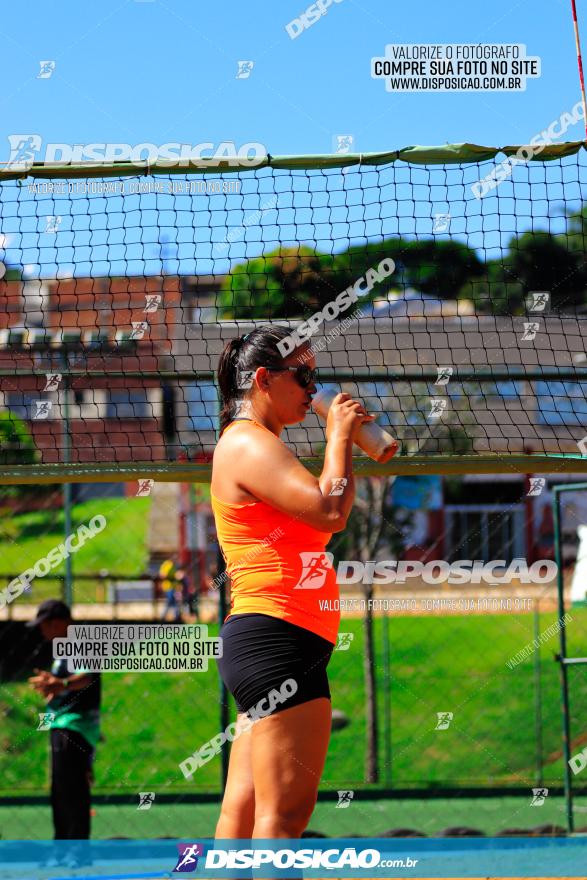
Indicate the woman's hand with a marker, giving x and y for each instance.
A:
(345, 417)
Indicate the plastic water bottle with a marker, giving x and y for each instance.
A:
(377, 443)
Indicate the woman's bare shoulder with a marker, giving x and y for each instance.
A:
(237, 451)
(242, 435)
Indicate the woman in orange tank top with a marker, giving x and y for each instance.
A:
(274, 520)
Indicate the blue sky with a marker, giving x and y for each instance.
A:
(166, 71)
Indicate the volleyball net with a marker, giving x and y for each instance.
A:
(445, 286)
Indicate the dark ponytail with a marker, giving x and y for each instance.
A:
(255, 349)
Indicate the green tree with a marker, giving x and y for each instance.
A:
(17, 447)
(498, 290)
(296, 282)
(533, 261)
(575, 237)
(434, 267)
(286, 283)
(16, 443)
(439, 268)
(541, 261)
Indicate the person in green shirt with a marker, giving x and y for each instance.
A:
(73, 713)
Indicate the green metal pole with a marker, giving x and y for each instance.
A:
(221, 567)
(197, 581)
(538, 695)
(563, 669)
(67, 486)
(387, 699)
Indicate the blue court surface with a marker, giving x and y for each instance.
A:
(312, 858)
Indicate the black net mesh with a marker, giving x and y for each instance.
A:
(466, 335)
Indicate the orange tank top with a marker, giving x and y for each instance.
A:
(277, 565)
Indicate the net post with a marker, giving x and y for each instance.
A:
(68, 586)
(579, 61)
(538, 694)
(561, 657)
(220, 570)
(387, 698)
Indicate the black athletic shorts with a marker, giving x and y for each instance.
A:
(260, 653)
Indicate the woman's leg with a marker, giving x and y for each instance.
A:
(237, 815)
(288, 754)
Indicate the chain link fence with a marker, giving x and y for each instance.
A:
(445, 703)
(449, 713)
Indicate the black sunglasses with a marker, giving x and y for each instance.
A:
(304, 376)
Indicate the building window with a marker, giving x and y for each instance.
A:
(561, 403)
(24, 405)
(202, 403)
(489, 531)
(128, 403)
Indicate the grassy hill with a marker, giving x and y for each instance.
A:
(505, 725)
(120, 548)
(153, 721)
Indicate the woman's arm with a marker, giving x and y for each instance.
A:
(269, 471)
